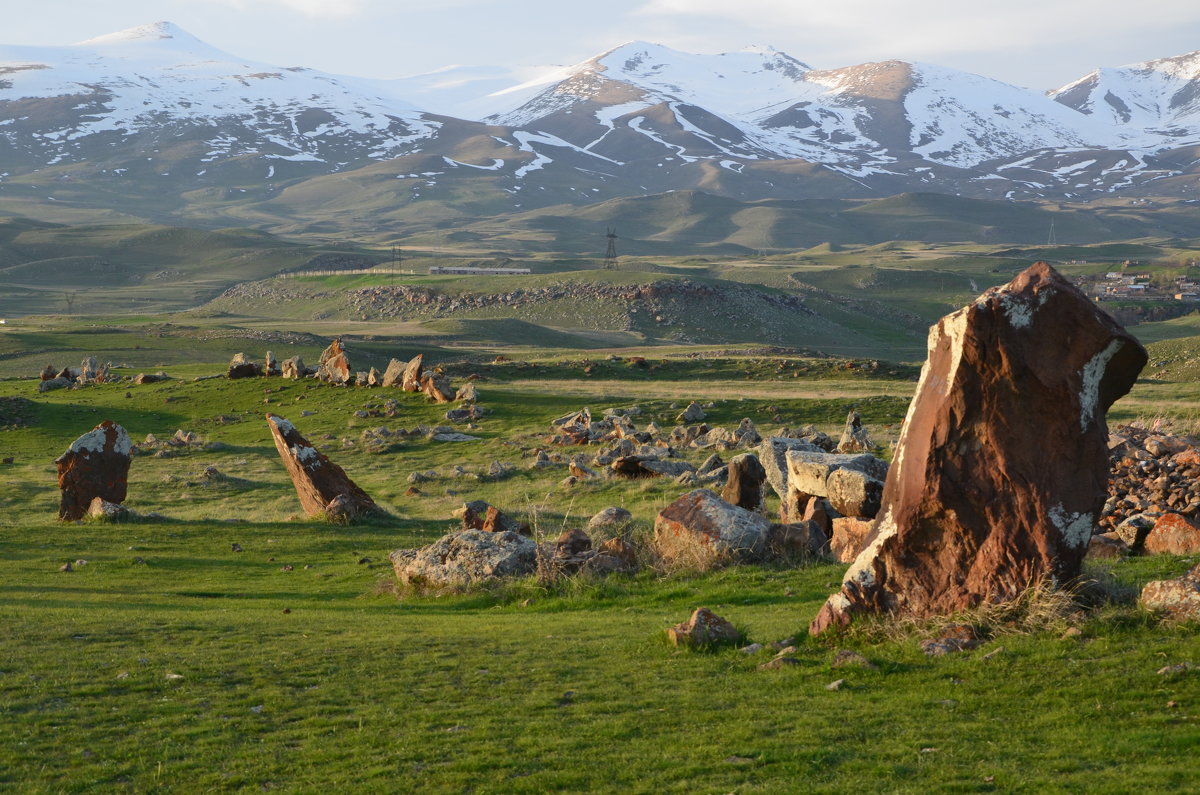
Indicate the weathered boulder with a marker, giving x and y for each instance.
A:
(852, 492)
(1002, 465)
(410, 379)
(1172, 535)
(855, 438)
(318, 481)
(744, 486)
(611, 517)
(374, 378)
(88, 369)
(334, 365)
(58, 382)
(701, 529)
(1106, 546)
(293, 368)
(271, 365)
(394, 373)
(241, 367)
(466, 558)
(48, 372)
(639, 466)
(105, 511)
(745, 434)
(436, 386)
(693, 413)
(773, 456)
(808, 472)
(705, 628)
(95, 465)
(797, 539)
(1179, 598)
(467, 393)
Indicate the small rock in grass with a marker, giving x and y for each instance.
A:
(837, 684)
(778, 663)
(174, 677)
(1177, 668)
(846, 658)
(753, 648)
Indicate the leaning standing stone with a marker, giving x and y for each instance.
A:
(1002, 466)
(334, 364)
(744, 488)
(321, 485)
(95, 465)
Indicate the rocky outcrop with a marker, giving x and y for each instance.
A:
(1179, 598)
(1001, 468)
(744, 487)
(334, 364)
(323, 487)
(466, 558)
(96, 465)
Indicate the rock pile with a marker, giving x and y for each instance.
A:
(981, 502)
(1153, 500)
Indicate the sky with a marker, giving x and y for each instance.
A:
(1038, 44)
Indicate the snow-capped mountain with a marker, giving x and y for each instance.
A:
(154, 122)
(1159, 98)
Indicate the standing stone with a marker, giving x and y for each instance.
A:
(693, 413)
(854, 437)
(88, 369)
(271, 365)
(293, 368)
(1002, 465)
(95, 465)
(319, 482)
(410, 381)
(48, 372)
(334, 365)
(744, 488)
(374, 378)
(393, 374)
(241, 367)
(467, 393)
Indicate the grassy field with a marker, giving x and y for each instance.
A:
(170, 662)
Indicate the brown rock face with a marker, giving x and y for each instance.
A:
(48, 372)
(1173, 535)
(321, 485)
(744, 488)
(1001, 468)
(293, 368)
(410, 380)
(849, 537)
(334, 364)
(95, 465)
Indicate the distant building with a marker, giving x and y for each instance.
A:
(1187, 296)
(468, 271)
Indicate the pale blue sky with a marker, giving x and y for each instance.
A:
(1036, 43)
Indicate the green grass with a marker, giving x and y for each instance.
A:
(323, 676)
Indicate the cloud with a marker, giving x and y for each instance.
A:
(313, 9)
(928, 29)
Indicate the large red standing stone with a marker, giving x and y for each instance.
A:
(95, 465)
(319, 482)
(1001, 468)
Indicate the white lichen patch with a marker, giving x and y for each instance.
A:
(1076, 528)
(1090, 377)
(283, 425)
(1018, 311)
(304, 454)
(94, 441)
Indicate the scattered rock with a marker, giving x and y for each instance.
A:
(854, 437)
(957, 637)
(777, 663)
(704, 629)
(1172, 535)
(241, 367)
(693, 413)
(611, 517)
(847, 658)
(772, 454)
(51, 384)
(701, 529)
(105, 511)
(293, 368)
